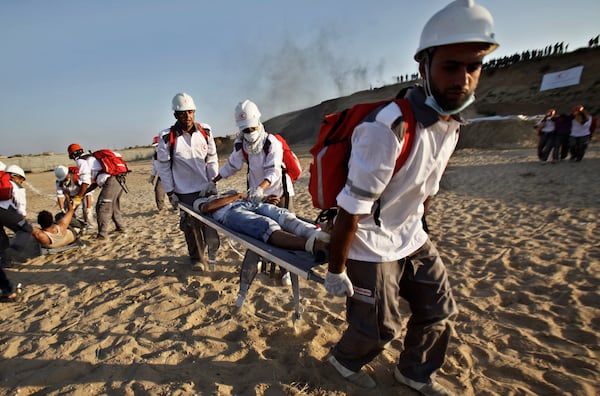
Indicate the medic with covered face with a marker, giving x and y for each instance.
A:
(264, 155)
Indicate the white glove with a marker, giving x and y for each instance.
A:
(256, 195)
(174, 199)
(338, 284)
(211, 189)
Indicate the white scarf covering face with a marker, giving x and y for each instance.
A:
(254, 141)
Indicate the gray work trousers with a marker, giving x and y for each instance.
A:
(159, 194)
(108, 207)
(374, 317)
(206, 236)
(12, 219)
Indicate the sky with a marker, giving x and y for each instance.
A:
(102, 73)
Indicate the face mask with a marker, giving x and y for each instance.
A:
(431, 102)
(252, 136)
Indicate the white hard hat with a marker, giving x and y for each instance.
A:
(61, 172)
(15, 170)
(2, 166)
(247, 115)
(461, 21)
(183, 102)
(207, 127)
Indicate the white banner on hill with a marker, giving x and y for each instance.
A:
(563, 78)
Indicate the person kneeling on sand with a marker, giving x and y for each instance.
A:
(55, 234)
(265, 221)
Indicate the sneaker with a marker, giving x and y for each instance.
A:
(286, 279)
(197, 264)
(431, 388)
(360, 378)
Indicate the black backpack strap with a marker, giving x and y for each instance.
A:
(237, 146)
(267, 145)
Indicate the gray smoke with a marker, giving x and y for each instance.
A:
(295, 76)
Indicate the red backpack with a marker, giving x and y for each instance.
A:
(291, 162)
(331, 153)
(112, 163)
(6, 187)
(74, 171)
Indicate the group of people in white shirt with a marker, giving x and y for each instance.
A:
(561, 134)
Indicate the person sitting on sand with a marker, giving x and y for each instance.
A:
(55, 234)
(265, 221)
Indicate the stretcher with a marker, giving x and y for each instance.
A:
(73, 246)
(298, 263)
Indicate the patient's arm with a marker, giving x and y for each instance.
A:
(64, 221)
(215, 204)
(272, 199)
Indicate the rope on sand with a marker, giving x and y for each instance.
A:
(38, 192)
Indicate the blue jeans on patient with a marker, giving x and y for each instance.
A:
(255, 220)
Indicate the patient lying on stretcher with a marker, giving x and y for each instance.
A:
(264, 221)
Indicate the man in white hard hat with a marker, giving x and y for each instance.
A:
(376, 264)
(68, 186)
(187, 164)
(13, 215)
(265, 174)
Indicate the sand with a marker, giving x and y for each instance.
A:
(520, 239)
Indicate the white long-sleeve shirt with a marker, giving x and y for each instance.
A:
(401, 197)
(548, 124)
(262, 166)
(580, 130)
(195, 162)
(90, 170)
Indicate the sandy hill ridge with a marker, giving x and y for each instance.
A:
(510, 90)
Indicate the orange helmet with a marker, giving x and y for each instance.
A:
(155, 141)
(577, 109)
(73, 149)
